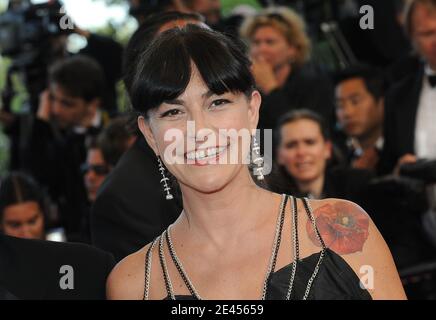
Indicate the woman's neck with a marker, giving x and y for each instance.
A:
(224, 216)
(313, 187)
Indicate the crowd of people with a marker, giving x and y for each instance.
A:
(361, 130)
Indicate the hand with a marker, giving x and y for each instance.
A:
(407, 158)
(264, 75)
(44, 109)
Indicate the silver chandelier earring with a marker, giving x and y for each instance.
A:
(257, 159)
(164, 180)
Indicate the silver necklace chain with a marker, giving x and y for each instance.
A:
(270, 267)
(272, 262)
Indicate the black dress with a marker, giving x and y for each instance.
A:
(321, 276)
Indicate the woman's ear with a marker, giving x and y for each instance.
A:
(144, 126)
(254, 107)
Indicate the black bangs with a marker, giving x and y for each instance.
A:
(164, 69)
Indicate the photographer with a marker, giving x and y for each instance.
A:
(35, 36)
(69, 114)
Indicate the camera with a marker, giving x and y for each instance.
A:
(25, 28)
(423, 170)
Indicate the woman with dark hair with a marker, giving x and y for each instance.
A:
(304, 156)
(21, 207)
(233, 240)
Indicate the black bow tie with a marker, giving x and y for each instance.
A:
(432, 80)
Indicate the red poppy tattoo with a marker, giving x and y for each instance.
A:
(343, 227)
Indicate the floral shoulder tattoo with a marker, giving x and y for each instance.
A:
(342, 225)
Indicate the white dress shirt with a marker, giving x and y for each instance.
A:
(425, 131)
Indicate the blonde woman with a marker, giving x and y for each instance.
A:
(280, 52)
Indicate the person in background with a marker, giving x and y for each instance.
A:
(280, 51)
(409, 128)
(304, 151)
(47, 270)
(115, 140)
(22, 207)
(95, 171)
(69, 114)
(360, 94)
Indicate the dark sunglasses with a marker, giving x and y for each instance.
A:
(100, 170)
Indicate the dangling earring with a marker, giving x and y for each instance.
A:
(164, 180)
(257, 159)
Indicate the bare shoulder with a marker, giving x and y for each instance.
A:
(344, 226)
(126, 280)
(348, 230)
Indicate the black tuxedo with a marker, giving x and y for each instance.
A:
(401, 106)
(130, 209)
(31, 269)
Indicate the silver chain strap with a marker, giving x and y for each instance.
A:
(171, 247)
(164, 266)
(294, 241)
(276, 237)
(148, 270)
(271, 262)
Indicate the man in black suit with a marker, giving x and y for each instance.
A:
(44, 270)
(130, 209)
(409, 120)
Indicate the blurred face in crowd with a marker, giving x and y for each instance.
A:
(202, 159)
(23, 220)
(303, 151)
(69, 111)
(424, 32)
(210, 9)
(95, 170)
(271, 45)
(359, 113)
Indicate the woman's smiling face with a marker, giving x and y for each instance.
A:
(203, 138)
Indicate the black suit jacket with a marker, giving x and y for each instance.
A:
(401, 106)
(130, 209)
(30, 270)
